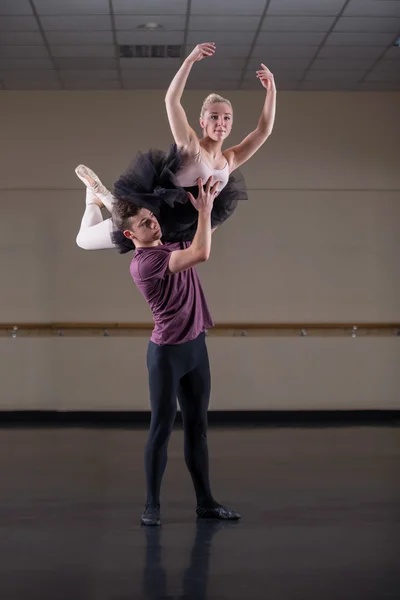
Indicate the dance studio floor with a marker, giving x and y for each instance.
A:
(321, 516)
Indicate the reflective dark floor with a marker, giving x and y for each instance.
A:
(321, 517)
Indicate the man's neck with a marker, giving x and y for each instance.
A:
(148, 245)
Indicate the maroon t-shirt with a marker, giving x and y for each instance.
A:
(177, 300)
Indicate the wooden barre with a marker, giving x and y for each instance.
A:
(219, 326)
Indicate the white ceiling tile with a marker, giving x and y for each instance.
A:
(21, 38)
(33, 84)
(169, 23)
(279, 76)
(15, 7)
(368, 24)
(292, 38)
(97, 74)
(372, 52)
(287, 86)
(219, 63)
(379, 86)
(213, 87)
(83, 38)
(393, 53)
(379, 75)
(214, 82)
(217, 75)
(373, 8)
(224, 51)
(146, 75)
(227, 7)
(141, 84)
(287, 76)
(267, 52)
(38, 76)
(72, 7)
(23, 51)
(334, 75)
(305, 7)
(86, 63)
(329, 86)
(225, 23)
(25, 63)
(150, 7)
(91, 84)
(387, 66)
(18, 24)
(345, 64)
(275, 64)
(359, 39)
(219, 37)
(150, 38)
(249, 85)
(292, 32)
(81, 23)
(297, 23)
(150, 63)
(281, 85)
(83, 51)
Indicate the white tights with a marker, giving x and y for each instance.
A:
(95, 233)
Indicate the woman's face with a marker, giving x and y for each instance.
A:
(217, 121)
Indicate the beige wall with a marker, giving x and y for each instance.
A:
(318, 241)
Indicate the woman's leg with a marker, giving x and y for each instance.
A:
(94, 233)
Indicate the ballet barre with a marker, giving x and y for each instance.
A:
(107, 329)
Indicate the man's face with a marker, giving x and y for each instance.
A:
(145, 228)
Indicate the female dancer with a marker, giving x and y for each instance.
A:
(160, 181)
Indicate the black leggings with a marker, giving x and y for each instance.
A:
(178, 371)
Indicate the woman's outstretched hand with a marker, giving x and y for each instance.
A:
(201, 51)
(266, 78)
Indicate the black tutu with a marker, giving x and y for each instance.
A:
(149, 182)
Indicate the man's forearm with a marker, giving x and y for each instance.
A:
(201, 244)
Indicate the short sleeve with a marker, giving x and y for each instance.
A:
(153, 264)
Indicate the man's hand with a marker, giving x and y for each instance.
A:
(205, 198)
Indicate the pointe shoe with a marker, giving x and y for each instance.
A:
(94, 184)
(91, 180)
(88, 178)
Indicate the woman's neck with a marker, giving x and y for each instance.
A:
(213, 148)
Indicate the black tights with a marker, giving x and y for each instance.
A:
(179, 371)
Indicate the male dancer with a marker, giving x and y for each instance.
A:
(177, 356)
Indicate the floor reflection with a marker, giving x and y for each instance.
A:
(195, 575)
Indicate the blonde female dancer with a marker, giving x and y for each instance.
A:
(160, 181)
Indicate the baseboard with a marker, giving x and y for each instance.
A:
(231, 418)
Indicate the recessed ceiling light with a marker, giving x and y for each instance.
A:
(151, 26)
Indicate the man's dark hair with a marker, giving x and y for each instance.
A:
(122, 212)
